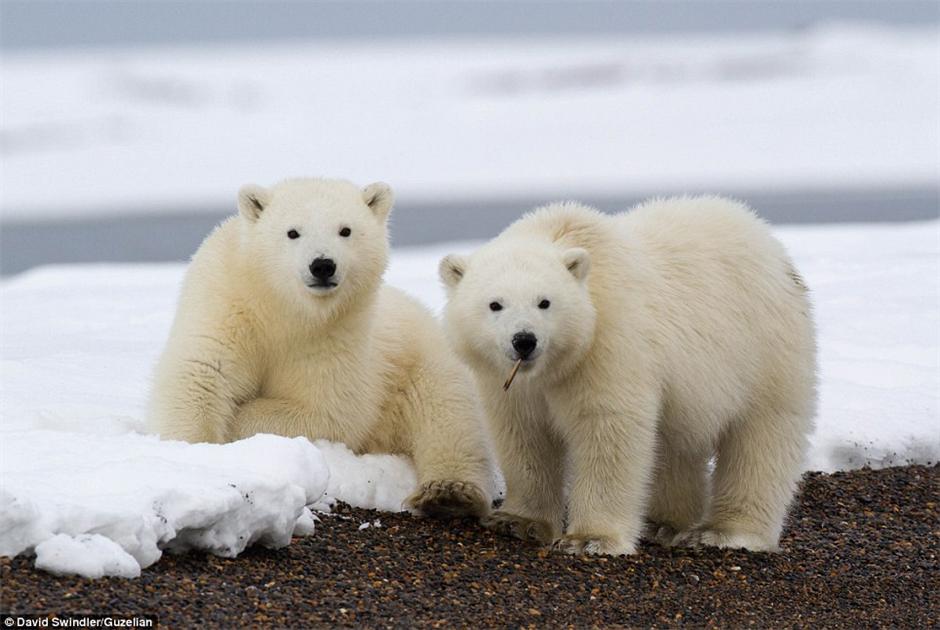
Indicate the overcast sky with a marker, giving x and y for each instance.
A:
(29, 24)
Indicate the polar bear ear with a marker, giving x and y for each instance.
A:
(252, 200)
(451, 269)
(379, 197)
(578, 262)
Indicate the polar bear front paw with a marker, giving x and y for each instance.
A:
(520, 527)
(705, 537)
(591, 545)
(448, 499)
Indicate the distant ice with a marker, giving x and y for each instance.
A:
(94, 132)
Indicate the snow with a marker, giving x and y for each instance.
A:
(88, 555)
(88, 492)
(876, 291)
(382, 482)
(110, 504)
(171, 129)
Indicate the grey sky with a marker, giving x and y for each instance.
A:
(31, 24)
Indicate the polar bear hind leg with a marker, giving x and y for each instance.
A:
(760, 458)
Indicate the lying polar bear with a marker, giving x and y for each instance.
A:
(284, 326)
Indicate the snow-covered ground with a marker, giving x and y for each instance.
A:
(89, 493)
(152, 130)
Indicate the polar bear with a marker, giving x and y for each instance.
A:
(650, 342)
(284, 326)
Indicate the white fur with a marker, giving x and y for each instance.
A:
(257, 347)
(676, 332)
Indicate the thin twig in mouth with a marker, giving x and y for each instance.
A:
(512, 375)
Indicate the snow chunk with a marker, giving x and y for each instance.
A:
(306, 523)
(88, 555)
(377, 524)
(380, 482)
(145, 495)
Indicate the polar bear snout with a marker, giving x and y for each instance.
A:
(323, 271)
(524, 343)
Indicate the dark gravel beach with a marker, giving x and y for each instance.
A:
(861, 550)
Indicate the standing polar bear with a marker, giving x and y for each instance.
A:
(284, 327)
(650, 342)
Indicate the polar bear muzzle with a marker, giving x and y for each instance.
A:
(524, 343)
(323, 271)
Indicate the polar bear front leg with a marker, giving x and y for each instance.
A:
(532, 460)
(455, 470)
(197, 383)
(271, 415)
(612, 460)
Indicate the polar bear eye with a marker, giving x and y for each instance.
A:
(292, 234)
(496, 306)
(544, 304)
(345, 232)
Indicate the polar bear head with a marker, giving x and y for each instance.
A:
(317, 242)
(519, 299)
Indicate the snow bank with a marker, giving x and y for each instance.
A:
(164, 129)
(88, 492)
(109, 505)
(876, 291)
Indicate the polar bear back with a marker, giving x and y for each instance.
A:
(669, 277)
(717, 262)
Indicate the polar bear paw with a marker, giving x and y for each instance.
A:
(448, 499)
(706, 537)
(591, 545)
(661, 534)
(520, 527)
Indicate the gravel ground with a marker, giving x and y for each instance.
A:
(861, 550)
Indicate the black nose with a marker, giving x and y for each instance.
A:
(323, 268)
(524, 343)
